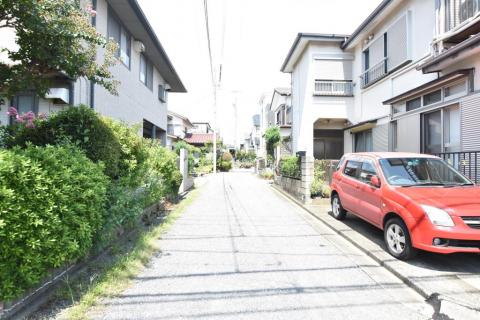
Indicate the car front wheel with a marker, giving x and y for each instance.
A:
(398, 241)
(338, 211)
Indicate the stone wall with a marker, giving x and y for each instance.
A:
(299, 188)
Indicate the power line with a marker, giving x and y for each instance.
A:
(214, 86)
(205, 7)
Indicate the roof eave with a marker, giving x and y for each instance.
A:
(378, 10)
(287, 65)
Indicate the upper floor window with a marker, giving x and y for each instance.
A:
(459, 11)
(146, 71)
(386, 53)
(120, 35)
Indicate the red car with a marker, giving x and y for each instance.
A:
(419, 201)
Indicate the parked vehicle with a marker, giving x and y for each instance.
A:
(419, 201)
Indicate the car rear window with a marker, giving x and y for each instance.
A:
(352, 168)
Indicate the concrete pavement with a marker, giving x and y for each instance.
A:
(453, 280)
(242, 251)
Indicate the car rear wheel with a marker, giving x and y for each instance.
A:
(338, 211)
(398, 241)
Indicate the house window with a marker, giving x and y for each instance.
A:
(455, 90)
(146, 71)
(120, 35)
(363, 141)
(441, 130)
(162, 93)
(289, 115)
(414, 104)
(432, 97)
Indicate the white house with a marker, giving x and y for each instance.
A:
(178, 127)
(279, 113)
(404, 80)
(144, 70)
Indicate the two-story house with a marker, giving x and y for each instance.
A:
(178, 128)
(279, 113)
(340, 82)
(144, 70)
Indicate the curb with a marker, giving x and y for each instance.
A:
(404, 279)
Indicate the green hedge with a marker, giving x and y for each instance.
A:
(87, 178)
(290, 167)
(52, 202)
(80, 126)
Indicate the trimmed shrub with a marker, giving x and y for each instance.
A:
(290, 167)
(319, 187)
(162, 167)
(52, 202)
(80, 126)
(225, 163)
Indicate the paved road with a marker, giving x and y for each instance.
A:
(242, 251)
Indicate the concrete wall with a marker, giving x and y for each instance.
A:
(299, 188)
(187, 181)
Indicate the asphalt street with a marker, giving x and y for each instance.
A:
(243, 251)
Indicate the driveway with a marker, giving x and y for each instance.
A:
(452, 279)
(242, 251)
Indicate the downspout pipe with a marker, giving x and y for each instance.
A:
(92, 84)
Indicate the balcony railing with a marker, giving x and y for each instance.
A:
(373, 74)
(333, 88)
(467, 162)
(457, 12)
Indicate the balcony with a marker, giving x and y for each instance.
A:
(373, 74)
(458, 12)
(336, 88)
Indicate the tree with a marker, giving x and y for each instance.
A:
(272, 138)
(52, 36)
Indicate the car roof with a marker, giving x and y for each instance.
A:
(387, 155)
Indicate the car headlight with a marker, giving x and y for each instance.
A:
(438, 216)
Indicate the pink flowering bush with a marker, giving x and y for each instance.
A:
(28, 118)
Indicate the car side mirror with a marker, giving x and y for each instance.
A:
(375, 181)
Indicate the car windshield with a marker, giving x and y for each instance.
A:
(420, 171)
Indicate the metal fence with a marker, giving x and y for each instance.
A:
(467, 162)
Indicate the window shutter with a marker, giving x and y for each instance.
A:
(376, 51)
(397, 44)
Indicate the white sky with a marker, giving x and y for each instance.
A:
(250, 39)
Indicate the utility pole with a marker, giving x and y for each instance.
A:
(214, 86)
